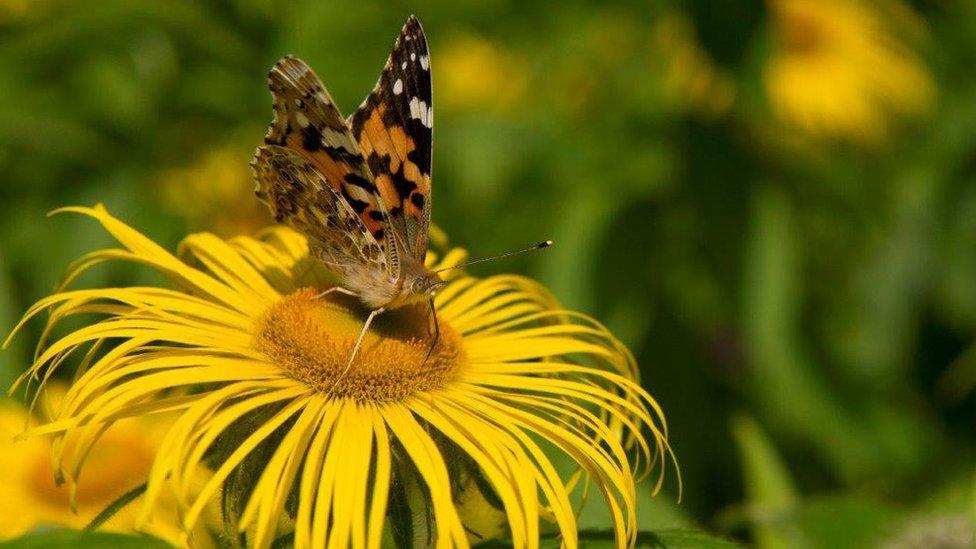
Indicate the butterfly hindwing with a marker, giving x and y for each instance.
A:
(299, 195)
(393, 130)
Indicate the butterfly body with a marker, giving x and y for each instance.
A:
(416, 284)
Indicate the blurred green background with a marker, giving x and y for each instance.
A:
(771, 203)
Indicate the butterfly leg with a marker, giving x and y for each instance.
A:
(437, 331)
(359, 341)
(338, 289)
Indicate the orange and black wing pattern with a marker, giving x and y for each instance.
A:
(308, 123)
(393, 130)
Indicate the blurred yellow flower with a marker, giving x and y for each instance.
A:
(215, 192)
(512, 373)
(691, 79)
(29, 497)
(474, 72)
(11, 10)
(841, 70)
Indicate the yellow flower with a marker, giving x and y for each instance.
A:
(30, 498)
(248, 357)
(690, 77)
(841, 70)
(213, 193)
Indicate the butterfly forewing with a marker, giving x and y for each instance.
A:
(299, 195)
(393, 129)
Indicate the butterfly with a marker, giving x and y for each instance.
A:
(358, 188)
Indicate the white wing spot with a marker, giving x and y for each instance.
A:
(425, 62)
(420, 111)
(413, 56)
(338, 138)
(398, 87)
(403, 66)
(415, 108)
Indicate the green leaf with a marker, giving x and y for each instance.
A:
(659, 539)
(401, 518)
(671, 538)
(654, 512)
(771, 493)
(74, 539)
(768, 482)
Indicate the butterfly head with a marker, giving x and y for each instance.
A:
(426, 284)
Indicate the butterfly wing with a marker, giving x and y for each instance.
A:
(393, 130)
(299, 195)
(307, 121)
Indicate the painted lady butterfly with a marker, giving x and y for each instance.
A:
(357, 188)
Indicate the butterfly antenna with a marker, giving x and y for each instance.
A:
(539, 246)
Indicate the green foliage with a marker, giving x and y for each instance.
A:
(771, 495)
(73, 539)
(10, 365)
(659, 539)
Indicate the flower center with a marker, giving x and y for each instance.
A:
(311, 339)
